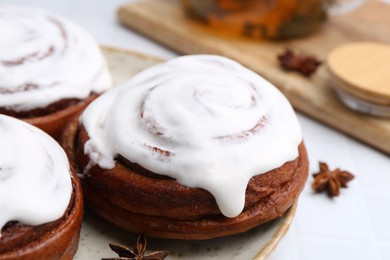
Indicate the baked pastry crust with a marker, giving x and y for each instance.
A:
(53, 118)
(55, 240)
(54, 123)
(140, 201)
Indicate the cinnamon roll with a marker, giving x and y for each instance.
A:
(41, 201)
(50, 68)
(194, 148)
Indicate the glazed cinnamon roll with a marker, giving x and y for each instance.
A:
(194, 148)
(50, 68)
(40, 196)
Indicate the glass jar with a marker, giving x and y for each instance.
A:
(273, 19)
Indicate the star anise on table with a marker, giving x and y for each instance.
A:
(331, 181)
(295, 61)
(138, 253)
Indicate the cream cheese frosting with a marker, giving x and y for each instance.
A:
(35, 182)
(204, 120)
(45, 58)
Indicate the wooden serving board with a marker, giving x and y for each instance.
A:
(166, 22)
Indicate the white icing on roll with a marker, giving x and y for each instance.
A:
(35, 182)
(45, 58)
(204, 120)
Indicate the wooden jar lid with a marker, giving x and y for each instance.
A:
(362, 70)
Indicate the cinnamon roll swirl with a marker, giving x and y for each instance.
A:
(50, 68)
(40, 196)
(194, 148)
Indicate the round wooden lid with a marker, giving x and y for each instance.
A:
(363, 70)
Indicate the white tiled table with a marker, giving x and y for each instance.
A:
(354, 226)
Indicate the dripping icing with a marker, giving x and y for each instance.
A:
(220, 123)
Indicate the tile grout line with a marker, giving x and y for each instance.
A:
(362, 202)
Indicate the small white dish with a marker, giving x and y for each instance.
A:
(360, 75)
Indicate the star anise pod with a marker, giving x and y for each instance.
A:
(299, 62)
(138, 253)
(331, 181)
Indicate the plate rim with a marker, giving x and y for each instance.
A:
(279, 234)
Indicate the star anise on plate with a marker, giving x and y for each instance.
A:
(138, 253)
(295, 61)
(331, 181)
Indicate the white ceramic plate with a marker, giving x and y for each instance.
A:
(96, 233)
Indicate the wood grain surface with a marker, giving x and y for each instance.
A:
(164, 21)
